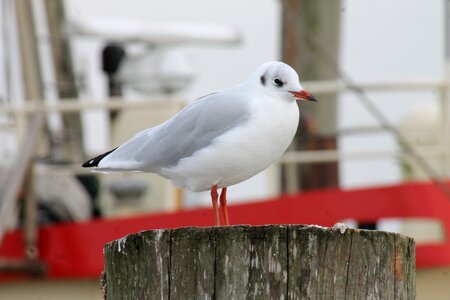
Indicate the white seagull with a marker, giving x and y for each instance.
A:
(220, 139)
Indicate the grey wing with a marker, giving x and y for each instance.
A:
(192, 129)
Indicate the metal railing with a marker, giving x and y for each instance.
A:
(20, 111)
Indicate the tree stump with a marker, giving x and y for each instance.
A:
(260, 262)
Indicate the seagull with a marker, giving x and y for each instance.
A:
(220, 139)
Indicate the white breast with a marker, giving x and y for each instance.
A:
(243, 151)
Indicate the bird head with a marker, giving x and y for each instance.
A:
(281, 80)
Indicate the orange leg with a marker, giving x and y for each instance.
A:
(214, 198)
(223, 205)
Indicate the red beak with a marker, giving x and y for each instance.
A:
(303, 95)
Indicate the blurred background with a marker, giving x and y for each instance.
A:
(79, 77)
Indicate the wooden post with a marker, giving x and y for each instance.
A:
(310, 34)
(260, 262)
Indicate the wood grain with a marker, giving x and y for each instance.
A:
(260, 262)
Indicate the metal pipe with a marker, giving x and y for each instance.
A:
(76, 106)
(318, 87)
(17, 171)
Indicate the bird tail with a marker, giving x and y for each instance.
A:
(93, 162)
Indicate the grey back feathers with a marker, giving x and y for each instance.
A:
(193, 129)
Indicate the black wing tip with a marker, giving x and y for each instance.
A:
(90, 163)
(93, 162)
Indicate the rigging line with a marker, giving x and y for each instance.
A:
(364, 99)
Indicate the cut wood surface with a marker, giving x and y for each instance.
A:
(260, 262)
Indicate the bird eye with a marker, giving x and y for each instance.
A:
(278, 82)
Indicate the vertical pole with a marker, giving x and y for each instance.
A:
(28, 50)
(445, 111)
(22, 177)
(17, 172)
(308, 24)
(30, 222)
(72, 148)
(291, 55)
(444, 131)
(47, 68)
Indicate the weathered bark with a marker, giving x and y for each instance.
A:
(263, 262)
